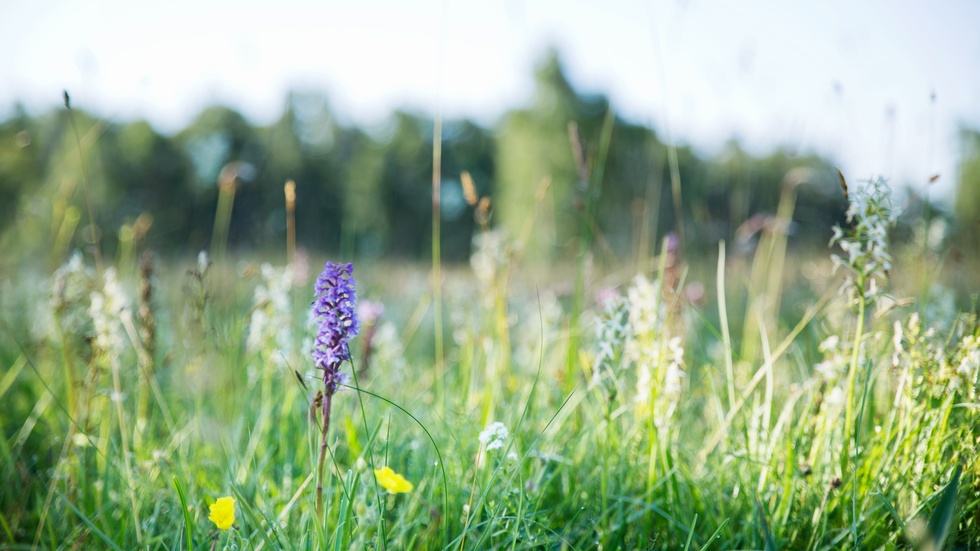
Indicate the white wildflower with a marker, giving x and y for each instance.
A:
(835, 362)
(270, 324)
(656, 356)
(644, 386)
(644, 310)
(203, 262)
(73, 286)
(835, 397)
(107, 309)
(871, 214)
(675, 370)
(829, 345)
(490, 254)
(611, 332)
(494, 436)
(969, 363)
(897, 344)
(673, 381)
(914, 323)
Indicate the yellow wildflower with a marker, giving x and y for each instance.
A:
(392, 481)
(223, 512)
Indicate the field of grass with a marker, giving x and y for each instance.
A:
(757, 399)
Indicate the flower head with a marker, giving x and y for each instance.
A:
(336, 321)
(223, 512)
(392, 481)
(871, 215)
(494, 435)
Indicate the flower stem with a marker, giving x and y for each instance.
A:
(323, 452)
(849, 422)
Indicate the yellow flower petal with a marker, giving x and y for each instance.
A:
(223, 513)
(392, 481)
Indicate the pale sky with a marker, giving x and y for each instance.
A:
(849, 79)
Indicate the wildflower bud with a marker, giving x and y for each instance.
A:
(147, 321)
(290, 191)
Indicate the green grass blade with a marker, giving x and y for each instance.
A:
(88, 522)
(942, 518)
(764, 524)
(716, 534)
(894, 513)
(184, 510)
(690, 535)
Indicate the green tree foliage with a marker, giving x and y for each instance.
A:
(636, 207)
(534, 146)
(306, 145)
(145, 172)
(369, 191)
(20, 163)
(406, 184)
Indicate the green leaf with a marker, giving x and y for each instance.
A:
(187, 515)
(91, 525)
(766, 533)
(942, 518)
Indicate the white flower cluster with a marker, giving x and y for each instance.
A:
(674, 377)
(494, 436)
(270, 325)
(835, 362)
(645, 314)
(108, 308)
(203, 262)
(967, 362)
(490, 255)
(611, 330)
(922, 360)
(73, 286)
(865, 244)
(639, 326)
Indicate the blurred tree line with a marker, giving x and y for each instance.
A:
(369, 192)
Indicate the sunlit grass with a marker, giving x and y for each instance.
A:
(631, 411)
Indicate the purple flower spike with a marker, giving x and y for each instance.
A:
(336, 320)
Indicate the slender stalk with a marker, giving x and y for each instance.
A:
(222, 218)
(144, 341)
(88, 195)
(186, 512)
(675, 190)
(290, 190)
(726, 336)
(590, 183)
(325, 426)
(852, 371)
(849, 422)
(124, 441)
(503, 331)
(581, 254)
(66, 361)
(437, 254)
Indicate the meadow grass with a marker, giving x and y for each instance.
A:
(751, 400)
